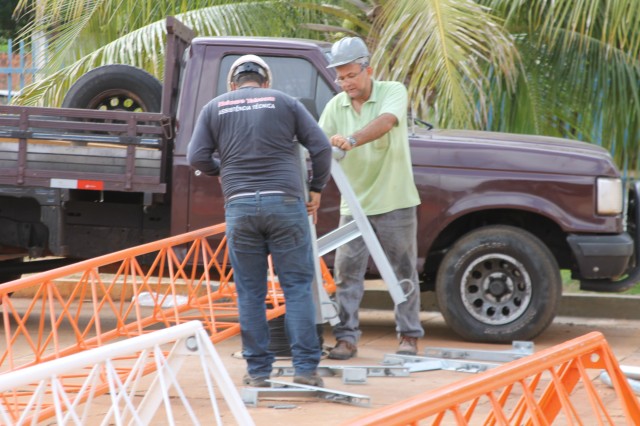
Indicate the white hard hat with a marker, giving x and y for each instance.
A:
(249, 63)
(347, 50)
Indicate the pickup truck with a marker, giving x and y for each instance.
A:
(501, 214)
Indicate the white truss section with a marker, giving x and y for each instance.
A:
(142, 381)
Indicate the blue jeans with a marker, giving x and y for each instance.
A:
(275, 224)
(396, 231)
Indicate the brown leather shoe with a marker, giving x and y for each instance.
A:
(311, 379)
(343, 350)
(408, 345)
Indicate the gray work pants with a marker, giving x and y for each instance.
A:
(396, 231)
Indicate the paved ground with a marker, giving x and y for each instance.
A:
(379, 339)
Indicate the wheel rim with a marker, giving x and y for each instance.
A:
(117, 100)
(496, 289)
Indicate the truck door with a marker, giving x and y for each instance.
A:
(297, 77)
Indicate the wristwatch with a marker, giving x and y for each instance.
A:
(352, 141)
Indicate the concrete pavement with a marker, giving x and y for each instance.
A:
(379, 338)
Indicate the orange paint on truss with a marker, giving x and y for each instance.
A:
(100, 307)
(549, 387)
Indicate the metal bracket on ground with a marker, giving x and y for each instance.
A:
(354, 376)
(453, 359)
(422, 363)
(250, 396)
(520, 349)
(635, 384)
(351, 374)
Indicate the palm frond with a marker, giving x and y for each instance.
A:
(356, 18)
(323, 28)
(444, 47)
(586, 56)
(144, 47)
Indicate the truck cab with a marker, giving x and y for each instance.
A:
(298, 68)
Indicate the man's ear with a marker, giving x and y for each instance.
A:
(233, 86)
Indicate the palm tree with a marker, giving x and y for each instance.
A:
(563, 68)
(580, 72)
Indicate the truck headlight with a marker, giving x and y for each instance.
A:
(609, 196)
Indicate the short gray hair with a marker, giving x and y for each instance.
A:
(364, 61)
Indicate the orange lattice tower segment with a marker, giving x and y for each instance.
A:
(183, 278)
(553, 386)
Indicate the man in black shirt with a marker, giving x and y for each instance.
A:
(256, 131)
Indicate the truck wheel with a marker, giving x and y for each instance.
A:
(115, 87)
(498, 284)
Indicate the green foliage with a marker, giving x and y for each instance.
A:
(580, 75)
(445, 63)
(83, 35)
(10, 25)
(572, 286)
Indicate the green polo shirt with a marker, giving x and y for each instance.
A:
(380, 171)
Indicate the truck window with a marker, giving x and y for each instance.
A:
(294, 76)
(183, 66)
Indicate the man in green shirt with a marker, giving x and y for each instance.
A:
(368, 119)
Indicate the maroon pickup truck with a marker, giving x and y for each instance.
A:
(501, 214)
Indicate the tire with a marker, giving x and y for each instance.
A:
(498, 284)
(279, 342)
(115, 87)
(6, 276)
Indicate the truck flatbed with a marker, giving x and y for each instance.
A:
(113, 150)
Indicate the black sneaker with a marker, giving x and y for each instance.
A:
(256, 382)
(311, 379)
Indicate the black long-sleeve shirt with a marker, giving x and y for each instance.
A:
(255, 130)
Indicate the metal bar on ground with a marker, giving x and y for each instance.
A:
(520, 349)
(337, 370)
(419, 363)
(251, 396)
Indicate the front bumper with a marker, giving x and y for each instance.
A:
(611, 251)
(601, 256)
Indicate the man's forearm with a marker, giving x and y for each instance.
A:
(376, 128)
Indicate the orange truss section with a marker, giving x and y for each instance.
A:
(553, 386)
(151, 286)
